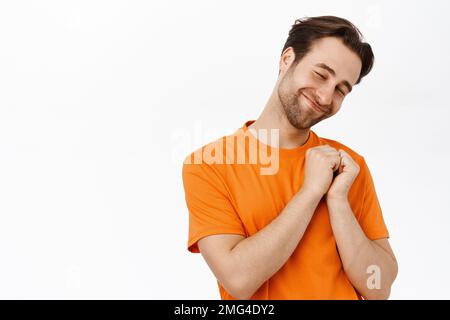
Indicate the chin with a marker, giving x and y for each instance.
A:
(301, 124)
(304, 123)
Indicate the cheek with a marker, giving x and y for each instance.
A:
(301, 81)
(309, 82)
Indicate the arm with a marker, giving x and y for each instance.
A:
(357, 252)
(244, 266)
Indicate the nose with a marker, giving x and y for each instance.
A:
(324, 95)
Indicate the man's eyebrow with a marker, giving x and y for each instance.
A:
(324, 66)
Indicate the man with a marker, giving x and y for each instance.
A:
(313, 227)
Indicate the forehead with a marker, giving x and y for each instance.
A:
(334, 53)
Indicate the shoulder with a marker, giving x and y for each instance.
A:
(210, 158)
(216, 151)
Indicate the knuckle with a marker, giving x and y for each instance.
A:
(311, 151)
(308, 152)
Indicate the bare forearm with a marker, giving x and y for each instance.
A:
(358, 253)
(258, 257)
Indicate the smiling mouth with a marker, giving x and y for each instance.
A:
(313, 105)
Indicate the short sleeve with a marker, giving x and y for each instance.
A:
(371, 218)
(209, 205)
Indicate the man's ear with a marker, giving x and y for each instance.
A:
(286, 59)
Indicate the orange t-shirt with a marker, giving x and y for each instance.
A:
(227, 194)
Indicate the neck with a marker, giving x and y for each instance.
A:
(274, 117)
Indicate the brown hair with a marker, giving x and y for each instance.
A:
(305, 30)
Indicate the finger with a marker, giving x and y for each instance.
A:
(335, 161)
(348, 162)
(328, 149)
(344, 153)
(325, 149)
(331, 152)
(347, 158)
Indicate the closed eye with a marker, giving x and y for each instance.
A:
(320, 75)
(341, 91)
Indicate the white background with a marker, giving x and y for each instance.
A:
(100, 101)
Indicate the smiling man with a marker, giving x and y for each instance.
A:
(313, 229)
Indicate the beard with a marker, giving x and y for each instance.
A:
(298, 114)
